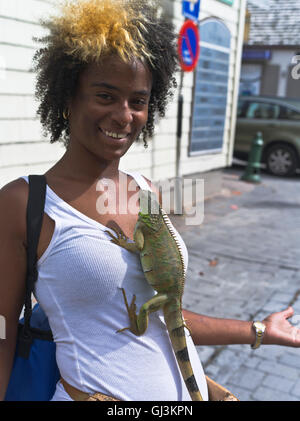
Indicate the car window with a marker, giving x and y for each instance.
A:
(242, 108)
(263, 110)
(287, 113)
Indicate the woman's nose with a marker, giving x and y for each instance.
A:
(123, 114)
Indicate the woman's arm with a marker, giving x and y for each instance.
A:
(13, 202)
(207, 330)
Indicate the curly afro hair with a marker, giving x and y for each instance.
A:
(86, 32)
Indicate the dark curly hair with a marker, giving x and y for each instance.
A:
(64, 56)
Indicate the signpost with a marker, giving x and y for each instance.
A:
(189, 46)
(191, 9)
(188, 51)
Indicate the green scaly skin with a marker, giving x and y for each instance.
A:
(163, 266)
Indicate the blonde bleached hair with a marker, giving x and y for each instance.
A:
(91, 29)
(88, 31)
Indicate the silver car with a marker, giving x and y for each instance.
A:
(279, 122)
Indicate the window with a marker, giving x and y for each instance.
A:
(210, 88)
(261, 110)
(289, 114)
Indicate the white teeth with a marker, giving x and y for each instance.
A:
(115, 135)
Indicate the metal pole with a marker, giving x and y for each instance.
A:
(178, 181)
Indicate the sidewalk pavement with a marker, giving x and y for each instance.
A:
(244, 263)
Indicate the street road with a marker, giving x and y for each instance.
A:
(244, 263)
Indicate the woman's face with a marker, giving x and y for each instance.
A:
(110, 107)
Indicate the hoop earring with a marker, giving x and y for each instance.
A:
(66, 114)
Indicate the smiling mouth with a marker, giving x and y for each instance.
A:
(114, 135)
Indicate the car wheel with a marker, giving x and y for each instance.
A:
(281, 160)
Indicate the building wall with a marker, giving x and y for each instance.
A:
(272, 77)
(283, 59)
(162, 156)
(23, 148)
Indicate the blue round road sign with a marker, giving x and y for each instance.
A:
(189, 46)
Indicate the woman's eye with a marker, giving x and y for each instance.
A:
(104, 96)
(141, 101)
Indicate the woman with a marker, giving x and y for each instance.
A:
(107, 69)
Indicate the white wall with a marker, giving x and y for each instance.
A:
(282, 58)
(23, 149)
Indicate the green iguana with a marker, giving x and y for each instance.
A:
(163, 266)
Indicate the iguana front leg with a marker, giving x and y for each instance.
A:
(139, 323)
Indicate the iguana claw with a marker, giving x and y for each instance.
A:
(121, 240)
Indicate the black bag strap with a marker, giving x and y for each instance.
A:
(34, 218)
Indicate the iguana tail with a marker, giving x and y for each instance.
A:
(175, 326)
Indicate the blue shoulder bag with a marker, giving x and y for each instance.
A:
(35, 373)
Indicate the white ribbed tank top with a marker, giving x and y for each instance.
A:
(81, 274)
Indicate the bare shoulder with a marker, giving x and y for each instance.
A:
(13, 203)
(17, 187)
(15, 192)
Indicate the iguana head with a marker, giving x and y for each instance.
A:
(150, 211)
